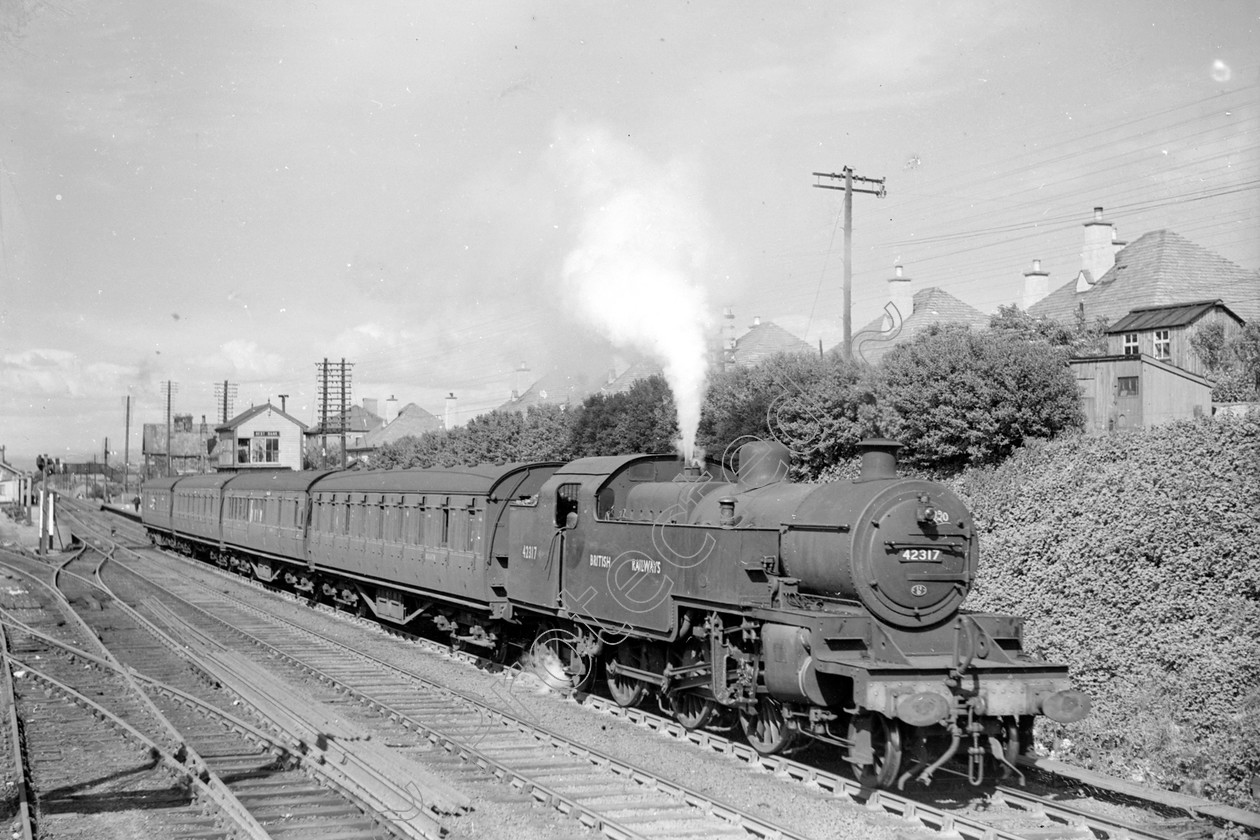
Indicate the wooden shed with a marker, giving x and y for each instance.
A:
(1119, 392)
(1165, 332)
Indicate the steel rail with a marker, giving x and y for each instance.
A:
(228, 801)
(736, 816)
(169, 760)
(21, 773)
(928, 815)
(350, 785)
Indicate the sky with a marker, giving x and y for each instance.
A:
(215, 191)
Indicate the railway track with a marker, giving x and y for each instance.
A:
(601, 792)
(230, 776)
(1014, 812)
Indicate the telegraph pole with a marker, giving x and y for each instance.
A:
(876, 188)
(225, 395)
(127, 452)
(337, 389)
(170, 386)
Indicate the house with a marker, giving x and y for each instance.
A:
(1127, 391)
(552, 388)
(1160, 268)
(192, 447)
(355, 423)
(620, 383)
(908, 313)
(15, 485)
(263, 437)
(412, 421)
(1166, 332)
(763, 340)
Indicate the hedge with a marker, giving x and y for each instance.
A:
(1136, 559)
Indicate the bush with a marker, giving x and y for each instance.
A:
(959, 398)
(1133, 557)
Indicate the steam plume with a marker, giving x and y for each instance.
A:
(636, 269)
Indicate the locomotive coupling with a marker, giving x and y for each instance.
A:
(1067, 706)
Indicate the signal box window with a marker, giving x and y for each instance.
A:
(1163, 344)
(242, 450)
(1128, 386)
(1130, 344)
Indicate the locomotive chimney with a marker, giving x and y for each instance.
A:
(761, 463)
(879, 459)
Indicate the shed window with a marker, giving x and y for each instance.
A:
(1163, 344)
(1130, 344)
(1128, 386)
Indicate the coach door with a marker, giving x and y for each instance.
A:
(542, 530)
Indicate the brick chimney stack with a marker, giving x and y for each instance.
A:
(1036, 285)
(901, 295)
(1099, 252)
(449, 420)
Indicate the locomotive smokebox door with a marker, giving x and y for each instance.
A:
(914, 555)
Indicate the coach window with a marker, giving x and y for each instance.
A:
(470, 530)
(445, 542)
(566, 503)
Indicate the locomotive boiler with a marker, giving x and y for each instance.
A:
(825, 612)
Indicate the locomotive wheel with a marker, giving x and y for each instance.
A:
(766, 727)
(626, 691)
(692, 710)
(556, 657)
(886, 751)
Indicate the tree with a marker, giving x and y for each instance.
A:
(1232, 365)
(1081, 337)
(640, 419)
(811, 404)
(956, 397)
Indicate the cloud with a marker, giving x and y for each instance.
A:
(51, 373)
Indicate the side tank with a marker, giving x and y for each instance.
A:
(905, 548)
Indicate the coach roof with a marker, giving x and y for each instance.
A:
(275, 480)
(479, 480)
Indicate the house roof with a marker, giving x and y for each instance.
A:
(358, 420)
(636, 371)
(551, 388)
(932, 305)
(1159, 268)
(254, 411)
(1173, 315)
(412, 420)
(763, 340)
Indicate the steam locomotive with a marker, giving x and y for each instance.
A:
(829, 612)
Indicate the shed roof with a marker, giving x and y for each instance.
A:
(1172, 315)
